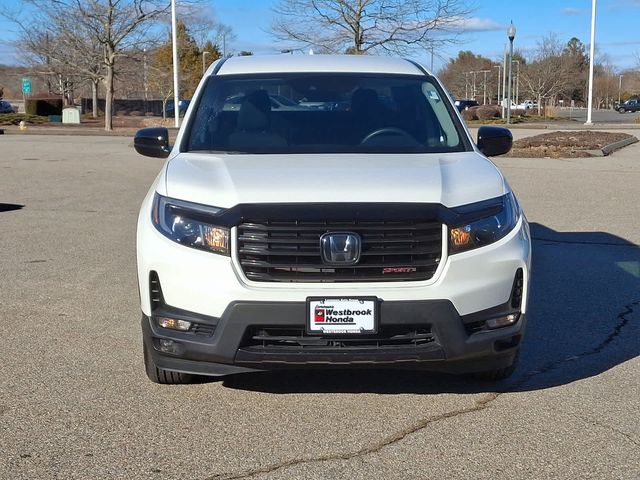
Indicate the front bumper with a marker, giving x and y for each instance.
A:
(446, 341)
(468, 288)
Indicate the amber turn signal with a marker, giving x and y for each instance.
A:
(460, 237)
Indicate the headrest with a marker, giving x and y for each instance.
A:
(254, 112)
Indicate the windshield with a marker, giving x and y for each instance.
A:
(323, 113)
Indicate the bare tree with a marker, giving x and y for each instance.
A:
(547, 74)
(471, 76)
(204, 26)
(96, 32)
(363, 26)
(64, 53)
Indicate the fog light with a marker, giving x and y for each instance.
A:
(174, 324)
(167, 346)
(503, 321)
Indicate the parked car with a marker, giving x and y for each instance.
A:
(465, 104)
(381, 235)
(6, 107)
(526, 105)
(182, 107)
(631, 105)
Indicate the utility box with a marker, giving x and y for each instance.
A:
(71, 115)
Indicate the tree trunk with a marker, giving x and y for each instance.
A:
(108, 104)
(539, 104)
(94, 97)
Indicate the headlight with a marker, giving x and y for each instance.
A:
(488, 222)
(190, 224)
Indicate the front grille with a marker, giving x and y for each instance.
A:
(289, 251)
(271, 339)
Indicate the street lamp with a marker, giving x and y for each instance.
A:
(517, 81)
(499, 67)
(174, 41)
(484, 86)
(619, 87)
(592, 51)
(204, 65)
(511, 34)
(466, 84)
(223, 35)
(145, 76)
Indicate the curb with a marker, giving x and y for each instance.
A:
(612, 147)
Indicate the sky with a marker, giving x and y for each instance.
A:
(617, 36)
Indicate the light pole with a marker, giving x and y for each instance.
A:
(432, 58)
(466, 85)
(174, 41)
(517, 81)
(145, 75)
(473, 94)
(592, 50)
(619, 88)
(484, 86)
(499, 67)
(511, 33)
(504, 81)
(204, 65)
(224, 44)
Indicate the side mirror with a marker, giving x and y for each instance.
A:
(494, 140)
(152, 142)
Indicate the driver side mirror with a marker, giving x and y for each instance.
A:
(152, 142)
(494, 141)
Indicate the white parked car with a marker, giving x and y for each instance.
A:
(378, 234)
(526, 105)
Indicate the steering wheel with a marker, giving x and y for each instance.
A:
(386, 131)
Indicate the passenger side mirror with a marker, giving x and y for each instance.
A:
(152, 142)
(494, 141)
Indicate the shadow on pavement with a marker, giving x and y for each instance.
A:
(9, 207)
(584, 316)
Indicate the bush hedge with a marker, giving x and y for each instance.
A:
(486, 112)
(43, 106)
(16, 118)
(470, 113)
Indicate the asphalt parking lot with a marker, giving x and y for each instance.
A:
(604, 115)
(75, 402)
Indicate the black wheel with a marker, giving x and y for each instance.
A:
(621, 110)
(160, 375)
(498, 373)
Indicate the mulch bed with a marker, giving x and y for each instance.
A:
(564, 144)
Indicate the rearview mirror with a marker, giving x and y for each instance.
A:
(494, 141)
(152, 142)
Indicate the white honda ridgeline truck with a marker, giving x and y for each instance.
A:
(323, 211)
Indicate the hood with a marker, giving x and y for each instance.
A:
(225, 180)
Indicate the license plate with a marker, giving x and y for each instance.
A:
(336, 316)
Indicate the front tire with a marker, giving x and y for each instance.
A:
(621, 110)
(160, 375)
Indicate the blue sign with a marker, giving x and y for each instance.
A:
(26, 85)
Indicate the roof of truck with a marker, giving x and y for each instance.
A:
(285, 63)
